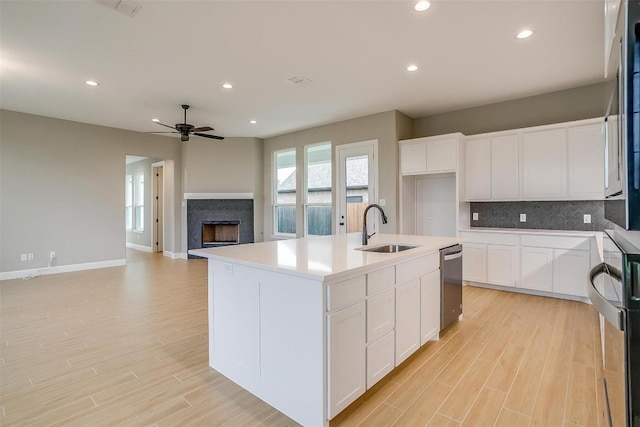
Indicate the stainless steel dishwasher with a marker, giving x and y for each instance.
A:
(450, 285)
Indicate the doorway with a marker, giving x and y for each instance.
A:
(357, 185)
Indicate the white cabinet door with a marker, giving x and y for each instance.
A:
(346, 336)
(429, 306)
(544, 164)
(413, 157)
(570, 272)
(380, 358)
(442, 154)
(501, 265)
(505, 168)
(474, 262)
(407, 319)
(536, 269)
(477, 171)
(380, 315)
(585, 153)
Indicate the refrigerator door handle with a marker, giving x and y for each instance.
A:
(613, 314)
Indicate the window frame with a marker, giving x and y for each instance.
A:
(128, 202)
(274, 187)
(305, 202)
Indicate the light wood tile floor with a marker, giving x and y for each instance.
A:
(128, 346)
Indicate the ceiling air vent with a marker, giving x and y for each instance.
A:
(299, 80)
(127, 7)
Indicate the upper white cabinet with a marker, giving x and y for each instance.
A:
(434, 154)
(585, 148)
(492, 168)
(505, 170)
(611, 17)
(564, 161)
(477, 155)
(544, 164)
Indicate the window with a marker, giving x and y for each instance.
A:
(139, 202)
(318, 189)
(134, 202)
(284, 208)
(128, 202)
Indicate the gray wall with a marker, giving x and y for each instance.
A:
(144, 167)
(381, 126)
(563, 106)
(233, 165)
(62, 186)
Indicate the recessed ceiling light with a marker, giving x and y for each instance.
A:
(524, 34)
(92, 83)
(422, 5)
(253, 122)
(155, 120)
(412, 67)
(227, 85)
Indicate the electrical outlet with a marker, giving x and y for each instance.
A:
(586, 218)
(475, 216)
(523, 217)
(30, 256)
(23, 257)
(52, 255)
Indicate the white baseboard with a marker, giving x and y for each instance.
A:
(139, 247)
(173, 255)
(34, 272)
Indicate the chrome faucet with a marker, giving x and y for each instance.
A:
(365, 236)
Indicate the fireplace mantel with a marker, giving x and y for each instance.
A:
(218, 196)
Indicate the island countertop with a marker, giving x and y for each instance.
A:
(325, 257)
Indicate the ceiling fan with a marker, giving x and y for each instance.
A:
(185, 129)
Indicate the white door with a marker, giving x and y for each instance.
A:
(357, 186)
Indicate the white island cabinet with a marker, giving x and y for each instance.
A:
(308, 325)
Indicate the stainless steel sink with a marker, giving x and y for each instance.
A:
(387, 249)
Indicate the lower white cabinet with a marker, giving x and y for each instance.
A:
(536, 269)
(380, 315)
(429, 306)
(380, 358)
(347, 364)
(474, 262)
(502, 265)
(570, 272)
(407, 319)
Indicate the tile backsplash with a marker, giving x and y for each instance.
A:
(561, 215)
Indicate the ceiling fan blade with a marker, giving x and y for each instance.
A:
(163, 132)
(162, 124)
(204, 135)
(202, 129)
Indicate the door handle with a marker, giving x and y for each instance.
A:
(452, 256)
(613, 314)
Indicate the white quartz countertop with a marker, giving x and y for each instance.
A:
(325, 257)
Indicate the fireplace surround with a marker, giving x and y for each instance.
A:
(219, 222)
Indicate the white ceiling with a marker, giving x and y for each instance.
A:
(354, 52)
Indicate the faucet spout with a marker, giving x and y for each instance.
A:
(365, 236)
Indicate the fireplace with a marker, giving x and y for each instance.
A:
(219, 222)
(217, 233)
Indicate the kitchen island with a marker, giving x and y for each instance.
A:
(308, 325)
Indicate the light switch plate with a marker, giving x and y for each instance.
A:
(587, 218)
(523, 217)
(475, 216)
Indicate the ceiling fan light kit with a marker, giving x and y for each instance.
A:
(185, 129)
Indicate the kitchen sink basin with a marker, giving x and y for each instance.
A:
(387, 249)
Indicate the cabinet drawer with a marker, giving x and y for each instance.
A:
(380, 280)
(346, 292)
(417, 267)
(489, 238)
(557, 242)
(380, 315)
